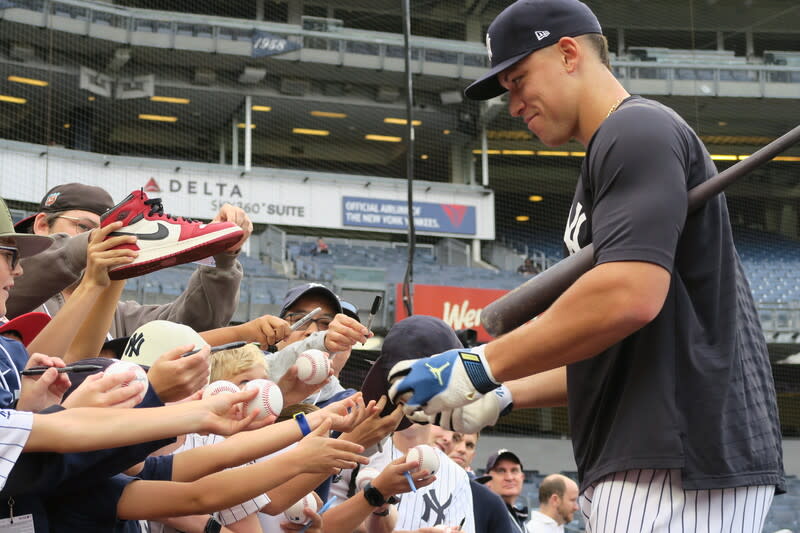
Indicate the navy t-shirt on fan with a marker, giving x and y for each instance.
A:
(693, 389)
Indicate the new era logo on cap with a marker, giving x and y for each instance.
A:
(541, 34)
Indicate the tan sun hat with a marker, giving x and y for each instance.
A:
(26, 243)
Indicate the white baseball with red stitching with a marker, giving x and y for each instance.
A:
(428, 460)
(268, 401)
(219, 387)
(364, 475)
(295, 512)
(124, 366)
(313, 367)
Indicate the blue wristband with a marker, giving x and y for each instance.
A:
(305, 429)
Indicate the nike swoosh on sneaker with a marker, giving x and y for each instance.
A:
(161, 233)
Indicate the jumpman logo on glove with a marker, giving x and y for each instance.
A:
(445, 381)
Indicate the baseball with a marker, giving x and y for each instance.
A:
(295, 512)
(313, 367)
(124, 366)
(428, 460)
(217, 387)
(365, 475)
(268, 401)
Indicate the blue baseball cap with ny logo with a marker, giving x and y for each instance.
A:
(524, 27)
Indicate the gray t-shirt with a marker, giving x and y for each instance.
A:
(693, 389)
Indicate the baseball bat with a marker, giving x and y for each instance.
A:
(537, 294)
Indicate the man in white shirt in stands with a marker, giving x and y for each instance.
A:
(558, 501)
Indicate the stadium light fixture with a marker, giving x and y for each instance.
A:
(519, 152)
(401, 121)
(262, 108)
(12, 99)
(158, 118)
(445, 132)
(382, 138)
(242, 126)
(787, 158)
(535, 198)
(307, 131)
(170, 100)
(28, 81)
(424, 157)
(327, 114)
(523, 218)
(724, 157)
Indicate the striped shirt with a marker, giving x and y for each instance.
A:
(15, 428)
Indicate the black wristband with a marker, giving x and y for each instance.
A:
(212, 526)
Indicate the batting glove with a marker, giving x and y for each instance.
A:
(473, 417)
(441, 382)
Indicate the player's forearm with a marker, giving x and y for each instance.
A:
(92, 333)
(605, 305)
(546, 389)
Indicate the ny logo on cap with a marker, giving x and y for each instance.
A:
(541, 34)
(489, 46)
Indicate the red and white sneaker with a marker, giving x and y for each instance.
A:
(163, 240)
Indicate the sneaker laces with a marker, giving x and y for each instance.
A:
(157, 209)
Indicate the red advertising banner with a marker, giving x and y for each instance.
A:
(458, 306)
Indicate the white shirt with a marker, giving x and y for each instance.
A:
(15, 428)
(447, 501)
(541, 523)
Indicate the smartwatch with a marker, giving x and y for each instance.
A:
(373, 495)
(212, 526)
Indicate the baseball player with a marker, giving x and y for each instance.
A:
(657, 350)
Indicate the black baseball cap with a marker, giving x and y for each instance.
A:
(524, 27)
(412, 338)
(295, 293)
(67, 197)
(492, 461)
(350, 310)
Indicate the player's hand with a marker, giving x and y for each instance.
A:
(101, 390)
(105, 252)
(174, 377)
(265, 330)
(441, 382)
(392, 479)
(343, 333)
(320, 454)
(39, 392)
(231, 213)
(472, 417)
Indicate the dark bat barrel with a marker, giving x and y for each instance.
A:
(538, 293)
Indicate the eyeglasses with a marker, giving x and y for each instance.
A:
(12, 256)
(322, 323)
(81, 224)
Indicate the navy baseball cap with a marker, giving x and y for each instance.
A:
(524, 27)
(295, 293)
(412, 338)
(492, 461)
(350, 310)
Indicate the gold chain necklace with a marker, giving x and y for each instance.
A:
(614, 107)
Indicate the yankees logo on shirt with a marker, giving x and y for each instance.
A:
(447, 501)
